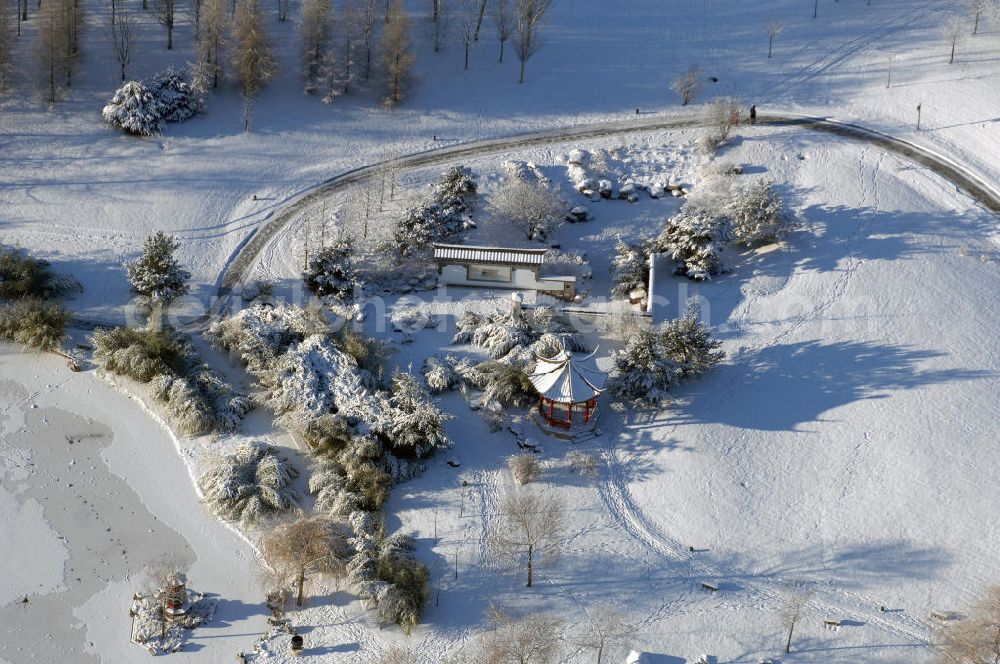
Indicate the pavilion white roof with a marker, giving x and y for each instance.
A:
(562, 380)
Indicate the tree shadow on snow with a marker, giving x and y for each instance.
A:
(785, 386)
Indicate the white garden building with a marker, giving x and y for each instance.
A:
(499, 267)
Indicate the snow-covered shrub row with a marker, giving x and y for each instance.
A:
(385, 572)
(723, 212)
(250, 484)
(34, 322)
(197, 398)
(144, 111)
(331, 273)
(654, 360)
(443, 216)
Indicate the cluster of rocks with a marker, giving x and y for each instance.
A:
(599, 186)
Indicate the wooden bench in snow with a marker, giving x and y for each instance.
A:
(943, 616)
(832, 623)
(710, 587)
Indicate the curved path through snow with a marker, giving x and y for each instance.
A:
(246, 254)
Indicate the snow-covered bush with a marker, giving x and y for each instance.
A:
(197, 398)
(34, 322)
(201, 401)
(654, 360)
(257, 335)
(179, 101)
(631, 269)
(135, 109)
(504, 384)
(385, 572)
(315, 377)
(415, 425)
(440, 373)
(249, 485)
(524, 467)
(140, 354)
(693, 240)
(330, 271)
(328, 434)
(351, 480)
(156, 276)
(443, 216)
(757, 215)
(516, 334)
(584, 463)
(530, 206)
(23, 276)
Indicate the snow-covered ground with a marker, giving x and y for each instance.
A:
(846, 441)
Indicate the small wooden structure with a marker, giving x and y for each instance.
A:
(568, 391)
(175, 596)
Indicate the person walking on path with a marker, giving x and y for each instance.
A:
(753, 114)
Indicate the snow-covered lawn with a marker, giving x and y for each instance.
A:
(846, 443)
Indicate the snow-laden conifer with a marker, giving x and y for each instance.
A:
(135, 109)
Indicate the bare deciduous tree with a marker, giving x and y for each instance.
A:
(528, 14)
(792, 610)
(316, 25)
(775, 26)
(252, 57)
(976, 639)
(954, 32)
(308, 545)
(525, 467)
(482, 14)
(530, 525)
(606, 626)
(211, 41)
(468, 10)
(530, 206)
(396, 54)
(52, 48)
(529, 639)
(122, 36)
(368, 34)
(502, 16)
(688, 84)
(166, 11)
(6, 61)
(976, 9)
(723, 115)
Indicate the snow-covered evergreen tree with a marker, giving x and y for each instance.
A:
(249, 485)
(654, 360)
(135, 109)
(631, 269)
(330, 271)
(156, 276)
(178, 100)
(757, 215)
(416, 425)
(693, 240)
(443, 216)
